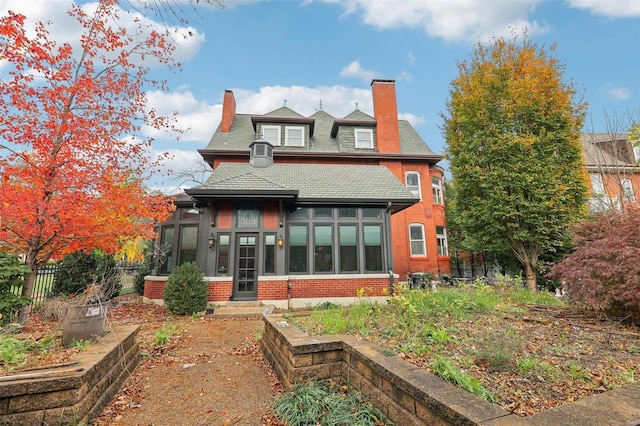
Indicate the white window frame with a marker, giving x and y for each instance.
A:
(413, 188)
(363, 138)
(436, 189)
(636, 152)
(597, 184)
(422, 240)
(278, 132)
(287, 140)
(627, 189)
(441, 237)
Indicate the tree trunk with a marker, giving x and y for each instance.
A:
(532, 283)
(27, 291)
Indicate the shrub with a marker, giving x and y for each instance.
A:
(79, 270)
(11, 277)
(604, 269)
(186, 292)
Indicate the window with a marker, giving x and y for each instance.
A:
(248, 218)
(416, 237)
(348, 248)
(323, 250)
(347, 213)
(627, 189)
(372, 248)
(596, 184)
(294, 136)
(166, 243)
(371, 213)
(223, 254)
(436, 188)
(364, 138)
(270, 253)
(271, 134)
(323, 213)
(413, 183)
(188, 244)
(441, 236)
(636, 152)
(298, 248)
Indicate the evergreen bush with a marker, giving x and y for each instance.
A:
(80, 270)
(186, 292)
(11, 277)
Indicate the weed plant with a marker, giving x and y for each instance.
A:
(321, 402)
(162, 335)
(446, 369)
(14, 352)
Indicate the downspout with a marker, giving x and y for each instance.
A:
(387, 226)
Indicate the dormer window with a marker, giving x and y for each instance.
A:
(364, 138)
(294, 136)
(271, 134)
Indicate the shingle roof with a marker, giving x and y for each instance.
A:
(242, 133)
(311, 182)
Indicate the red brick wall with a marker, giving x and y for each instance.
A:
(153, 289)
(219, 291)
(228, 111)
(272, 290)
(385, 111)
(309, 288)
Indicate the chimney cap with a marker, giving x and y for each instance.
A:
(376, 80)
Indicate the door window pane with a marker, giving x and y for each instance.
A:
(372, 248)
(298, 248)
(323, 253)
(348, 248)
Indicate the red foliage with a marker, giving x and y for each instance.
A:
(604, 269)
(73, 163)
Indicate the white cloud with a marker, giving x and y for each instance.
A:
(196, 118)
(180, 162)
(413, 119)
(619, 93)
(411, 57)
(337, 101)
(405, 76)
(354, 69)
(610, 8)
(452, 20)
(65, 29)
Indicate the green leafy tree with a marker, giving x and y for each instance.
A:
(513, 141)
(80, 270)
(12, 273)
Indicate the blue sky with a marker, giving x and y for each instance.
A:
(312, 51)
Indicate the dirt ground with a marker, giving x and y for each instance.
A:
(210, 373)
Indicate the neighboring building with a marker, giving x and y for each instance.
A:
(302, 210)
(613, 165)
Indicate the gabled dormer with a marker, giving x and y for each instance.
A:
(284, 128)
(355, 132)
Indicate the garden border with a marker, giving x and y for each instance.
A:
(408, 395)
(76, 394)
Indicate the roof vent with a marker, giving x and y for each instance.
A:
(261, 153)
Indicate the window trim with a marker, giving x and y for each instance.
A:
(359, 142)
(441, 236)
(422, 240)
(628, 194)
(286, 135)
(272, 127)
(436, 190)
(411, 187)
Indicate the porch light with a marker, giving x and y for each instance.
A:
(212, 241)
(280, 241)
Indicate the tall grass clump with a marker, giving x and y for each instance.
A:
(357, 318)
(320, 402)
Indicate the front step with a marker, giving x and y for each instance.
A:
(243, 303)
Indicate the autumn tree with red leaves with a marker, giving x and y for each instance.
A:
(73, 163)
(604, 269)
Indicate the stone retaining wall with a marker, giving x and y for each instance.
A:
(411, 396)
(74, 394)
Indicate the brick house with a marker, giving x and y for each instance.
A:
(613, 165)
(302, 210)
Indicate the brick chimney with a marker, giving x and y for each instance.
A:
(228, 111)
(385, 111)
